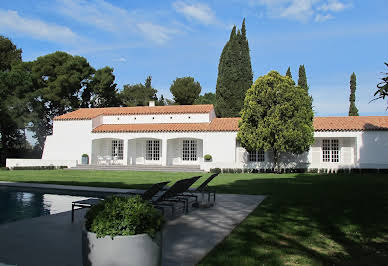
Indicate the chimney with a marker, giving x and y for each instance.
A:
(151, 104)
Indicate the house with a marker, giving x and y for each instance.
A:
(180, 135)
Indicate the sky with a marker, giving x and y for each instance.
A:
(170, 39)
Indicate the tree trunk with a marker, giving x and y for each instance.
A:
(276, 156)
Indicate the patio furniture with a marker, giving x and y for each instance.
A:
(203, 188)
(175, 194)
(146, 195)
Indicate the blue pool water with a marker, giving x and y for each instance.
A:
(22, 203)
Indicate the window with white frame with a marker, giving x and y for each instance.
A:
(117, 149)
(256, 156)
(189, 150)
(330, 150)
(153, 150)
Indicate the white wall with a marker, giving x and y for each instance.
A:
(157, 119)
(70, 139)
(11, 163)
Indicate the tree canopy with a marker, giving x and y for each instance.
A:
(382, 87)
(302, 80)
(234, 74)
(288, 73)
(277, 116)
(353, 111)
(185, 90)
(138, 94)
(9, 54)
(207, 98)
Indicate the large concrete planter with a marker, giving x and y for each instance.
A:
(137, 250)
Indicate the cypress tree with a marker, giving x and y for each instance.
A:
(353, 111)
(302, 80)
(234, 74)
(288, 73)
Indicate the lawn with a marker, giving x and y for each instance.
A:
(306, 219)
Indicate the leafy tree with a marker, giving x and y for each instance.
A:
(185, 90)
(277, 116)
(138, 94)
(16, 90)
(302, 80)
(234, 74)
(101, 90)
(207, 98)
(382, 87)
(60, 79)
(288, 73)
(161, 101)
(353, 111)
(9, 54)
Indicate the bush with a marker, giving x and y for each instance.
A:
(215, 170)
(4, 168)
(85, 155)
(313, 170)
(238, 171)
(207, 157)
(50, 167)
(123, 216)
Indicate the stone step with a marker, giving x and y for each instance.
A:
(189, 168)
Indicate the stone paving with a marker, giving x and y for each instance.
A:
(53, 240)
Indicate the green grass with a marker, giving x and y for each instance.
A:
(306, 219)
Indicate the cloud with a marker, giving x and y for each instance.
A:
(121, 59)
(334, 6)
(322, 18)
(301, 10)
(196, 11)
(12, 22)
(110, 18)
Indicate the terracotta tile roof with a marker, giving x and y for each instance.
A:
(351, 123)
(217, 124)
(89, 113)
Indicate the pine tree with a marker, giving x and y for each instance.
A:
(288, 73)
(302, 81)
(353, 111)
(234, 74)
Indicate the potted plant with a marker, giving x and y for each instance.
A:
(122, 231)
(207, 157)
(85, 158)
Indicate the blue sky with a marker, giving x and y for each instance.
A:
(169, 39)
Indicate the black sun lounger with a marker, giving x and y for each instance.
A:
(146, 195)
(203, 188)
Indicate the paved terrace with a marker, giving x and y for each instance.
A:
(53, 240)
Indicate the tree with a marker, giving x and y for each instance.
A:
(234, 74)
(207, 98)
(9, 54)
(185, 90)
(277, 116)
(288, 73)
(353, 111)
(382, 87)
(302, 80)
(60, 80)
(161, 101)
(101, 90)
(16, 92)
(138, 94)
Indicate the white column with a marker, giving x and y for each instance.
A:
(125, 152)
(164, 152)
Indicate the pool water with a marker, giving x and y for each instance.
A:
(22, 203)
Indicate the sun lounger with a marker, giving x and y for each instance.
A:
(146, 195)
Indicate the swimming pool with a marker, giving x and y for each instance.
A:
(18, 203)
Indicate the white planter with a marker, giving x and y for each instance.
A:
(137, 250)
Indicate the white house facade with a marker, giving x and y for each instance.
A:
(183, 135)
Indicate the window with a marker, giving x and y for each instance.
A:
(256, 156)
(153, 150)
(189, 150)
(330, 150)
(117, 149)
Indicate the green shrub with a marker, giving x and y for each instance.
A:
(85, 155)
(238, 171)
(4, 168)
(123, 216)
(215, 170)
(207, 157)
(313, 170)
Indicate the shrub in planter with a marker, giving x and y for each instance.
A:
(207, 157)
(123, 229)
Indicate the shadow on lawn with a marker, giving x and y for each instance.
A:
(321, 219)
